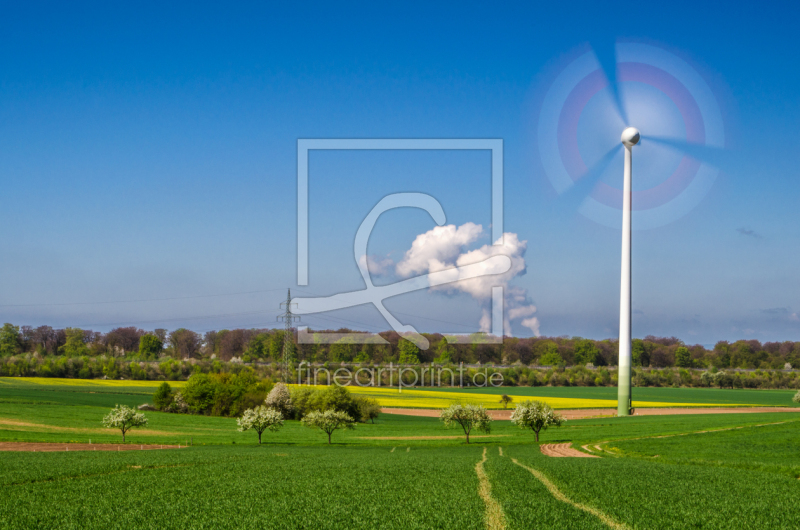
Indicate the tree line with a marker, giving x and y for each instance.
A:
(266, 345)
(329, 409)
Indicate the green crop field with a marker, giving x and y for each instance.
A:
(683, 471)
(39, 391)
(248, 487)
(653, 494)
(768, 447)
(728, 397)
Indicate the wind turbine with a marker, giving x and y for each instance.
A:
(580, 115)
(630, 137)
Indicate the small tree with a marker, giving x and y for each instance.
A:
(124, 418)
(368, 408)
(329, 421)
(75, 346)
(683, 358)
(280, 399)
(409, 352)
(552, 358)
(150, 347)
(536, 415)
(9, 339)
(260, 419)
(468, 417)
(796, 397)
(162, 398)
(505, 400)
(586, 352)
(178, 404)
(335, 397)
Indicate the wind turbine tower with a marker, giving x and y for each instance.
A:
(630, 137)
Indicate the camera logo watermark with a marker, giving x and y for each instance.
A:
(375, 295)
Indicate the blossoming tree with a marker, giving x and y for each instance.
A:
(535, 415)
(469, 417)
(260, 419)
(124, 418)
(329, 421)
(280, 399)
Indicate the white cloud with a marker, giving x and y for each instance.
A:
(377, 265)
(532, 324)
(519, 312)
(444, 248)
(439, 245)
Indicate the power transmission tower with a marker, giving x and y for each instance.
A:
(288, 355)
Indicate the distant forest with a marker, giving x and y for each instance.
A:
(266, 345)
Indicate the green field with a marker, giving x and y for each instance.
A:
(38, 391)
(766, 398)
(654, 471)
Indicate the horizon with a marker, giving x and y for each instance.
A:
(674, 340)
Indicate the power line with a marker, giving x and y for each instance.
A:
(336, 320)
(176, 319)
(397, 312)
(141, 300)
(288, 319)
(434, 319)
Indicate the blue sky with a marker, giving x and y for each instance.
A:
(149, 153)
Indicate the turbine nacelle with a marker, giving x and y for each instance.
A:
(630, 136)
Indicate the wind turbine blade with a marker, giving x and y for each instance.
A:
(607, 58)
(724, 159)
(575, 194)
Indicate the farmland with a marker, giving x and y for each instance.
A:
(439, 398)
(101, 392)
(709, 471)
(664, 396)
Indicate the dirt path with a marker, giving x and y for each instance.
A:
(16, 425)
(577, 414)
(434, 413)
(49, 447)
(495, 518)
(455, 437)
(564, 449)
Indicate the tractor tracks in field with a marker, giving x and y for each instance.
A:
(494, 518)
(558, 494)
(564, 450)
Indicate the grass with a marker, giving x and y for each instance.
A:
(667, 396)
(374, 487)
(556, 397)
(252, 487)
(99, 392)
(76, 417)
(41, 390)
(650, 494)
(397, 473)
(539, 509)
(767, 448)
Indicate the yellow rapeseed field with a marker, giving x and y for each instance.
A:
(112, 383)
(386, 396)
(433, 399)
